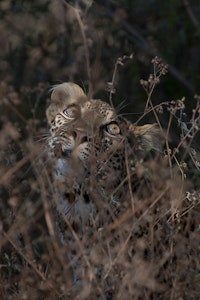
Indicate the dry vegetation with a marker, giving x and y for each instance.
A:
(152, 250)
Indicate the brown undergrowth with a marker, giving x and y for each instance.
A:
(150, 251)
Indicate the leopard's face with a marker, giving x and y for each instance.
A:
(82, 129)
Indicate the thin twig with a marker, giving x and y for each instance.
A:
(32, 264)
(85, 44)
(14, 169)
(111, 84)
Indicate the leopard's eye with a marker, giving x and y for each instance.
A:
(113, 128)
(71, 111)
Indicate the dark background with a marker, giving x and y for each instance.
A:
(42, 44)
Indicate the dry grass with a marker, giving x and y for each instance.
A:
(149, 252)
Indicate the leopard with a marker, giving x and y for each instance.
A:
(97, 163)
(95, 151)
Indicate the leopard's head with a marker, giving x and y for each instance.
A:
(82, 127)
(78, 124)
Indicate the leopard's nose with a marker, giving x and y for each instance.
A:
(79, 136)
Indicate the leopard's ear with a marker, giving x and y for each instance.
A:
(149, 137)
(61, 96)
